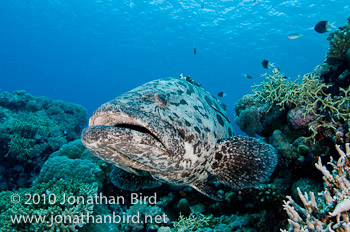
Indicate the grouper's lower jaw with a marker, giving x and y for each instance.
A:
(121, 115)
(124, 146)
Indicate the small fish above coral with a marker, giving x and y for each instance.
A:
(294, 35)
(247, 76)
(267, 64)
(275, 70)
(222, 94)
(323, 26)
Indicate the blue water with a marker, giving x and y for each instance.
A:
(90, 51)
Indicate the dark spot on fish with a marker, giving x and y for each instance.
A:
(220, 119)
(199, 120)
(182, 84)
(181, 133)
(180, 92)
(207, 99)
(190, 90)
(215, 165)
(187, 123)
(183, 102)
(197, 129)
(196, 108)
(225, 158)
(185, 174)
(218, 156)
(190, 138)
(204, 115)
(195, 147)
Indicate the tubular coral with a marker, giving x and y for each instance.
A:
(329, 211)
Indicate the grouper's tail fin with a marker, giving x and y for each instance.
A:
(242, 162)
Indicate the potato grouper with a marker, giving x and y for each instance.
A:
(171, 130)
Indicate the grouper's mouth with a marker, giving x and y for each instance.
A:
(120, 134)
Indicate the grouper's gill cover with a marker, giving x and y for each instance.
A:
(175, 132)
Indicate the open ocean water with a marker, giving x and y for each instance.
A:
(90, 51)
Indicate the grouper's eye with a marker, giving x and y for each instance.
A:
(161, 99)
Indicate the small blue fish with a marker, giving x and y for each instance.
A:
(294, 35)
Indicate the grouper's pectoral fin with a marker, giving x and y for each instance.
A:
(208, 189)
(242, 162)
(132, 182)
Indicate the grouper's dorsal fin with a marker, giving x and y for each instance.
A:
(208, 189)
(242, 162)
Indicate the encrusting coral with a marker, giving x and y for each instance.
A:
(31, 128)
(47, 203)
(329, 209)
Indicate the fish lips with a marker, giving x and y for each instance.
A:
(124, 146)
(139, 136)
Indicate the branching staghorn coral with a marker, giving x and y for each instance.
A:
(327, 210)
(306, 93)
(276, 89)
(192, 222)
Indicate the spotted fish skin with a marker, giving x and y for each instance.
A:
(179, 134)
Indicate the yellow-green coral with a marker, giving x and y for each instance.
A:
(340, 42)
(307, 92)
(192, 222)
(46, 203)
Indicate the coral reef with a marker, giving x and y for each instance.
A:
(192, 222)
(61, 168)
(73, 156)
(313, 115)
(306, 93)
(309, 119)
(253, 117)
(143, 210)
(340, 43)
(48, 203)
(326, 210)
(31, 129)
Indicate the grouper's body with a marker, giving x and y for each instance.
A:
(175, 132)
